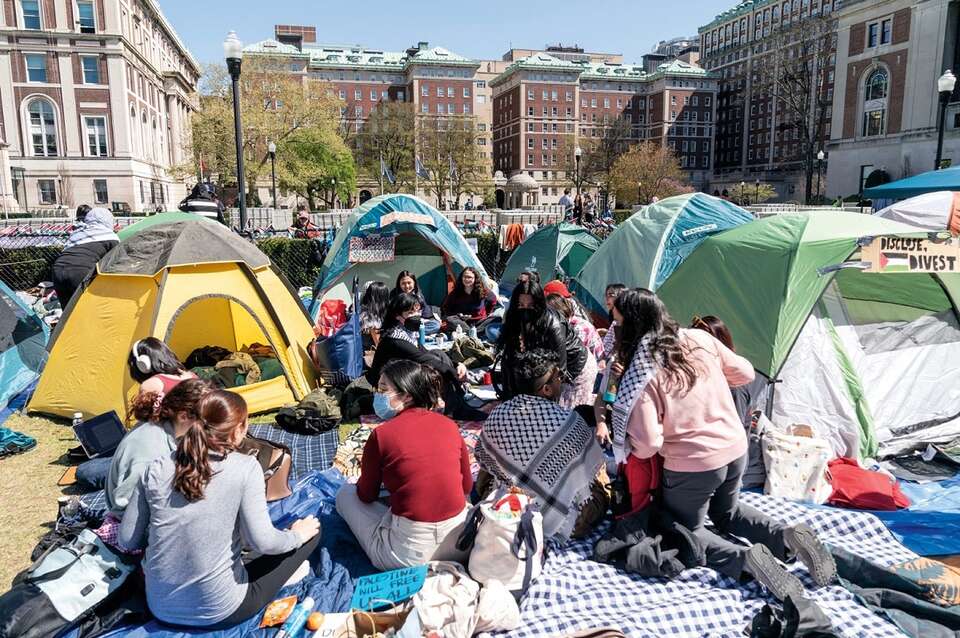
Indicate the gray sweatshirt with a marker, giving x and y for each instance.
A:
(194, 575)
(138, 448)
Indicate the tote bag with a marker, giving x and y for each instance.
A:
(508, 545)
(341, 351)
(796, 466)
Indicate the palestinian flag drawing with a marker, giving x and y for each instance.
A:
(894, 262)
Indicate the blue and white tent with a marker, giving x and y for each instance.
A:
(388, 234)
(23, 345)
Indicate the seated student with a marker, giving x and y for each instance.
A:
(581, 390)
(421, 459)
(407, 282)
(373, 307)
(469, 302)
(155, 367)
(195, 509)
(549, 451)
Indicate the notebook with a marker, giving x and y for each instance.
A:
(100, 435)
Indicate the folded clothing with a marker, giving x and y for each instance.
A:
(858, 488)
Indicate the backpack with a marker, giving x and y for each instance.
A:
(63, 588)
(316, 413)
(505, 537)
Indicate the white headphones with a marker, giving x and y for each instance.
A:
(143, 362)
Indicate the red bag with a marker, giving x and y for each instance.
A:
(857, 488)
(332, 315)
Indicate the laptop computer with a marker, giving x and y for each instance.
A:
(100, 435)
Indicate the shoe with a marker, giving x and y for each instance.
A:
(803, 542)
(767, 570)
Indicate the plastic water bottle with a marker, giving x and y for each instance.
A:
(473, 332)
(422, 337)
(77, 419)
(297, 619)
(612, 385)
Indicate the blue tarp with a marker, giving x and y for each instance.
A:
(946, 180)
(931, 525)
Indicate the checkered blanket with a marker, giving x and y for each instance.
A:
(574, 593)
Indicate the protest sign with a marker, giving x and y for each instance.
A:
(912, 254)
(393, 587)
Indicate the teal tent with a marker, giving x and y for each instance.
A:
(388, 234)
(557, 251)
(23, 345)
(947, 179)
(649, 246)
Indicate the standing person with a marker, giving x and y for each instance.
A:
(421, 459)
(195, 510)
(589, 209)
(407, 282)
(578, 209)
(203, 201)
(373, 309)
(581, 390)
(303, 227)
(91, 239)
(82, 211)
(567, 202)
(469, 302)
(609, 334)
(530, 325)
(674, 400)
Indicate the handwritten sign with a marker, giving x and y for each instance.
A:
(912, 254)
(393, 586)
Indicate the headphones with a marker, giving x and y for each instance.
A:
(143, 362)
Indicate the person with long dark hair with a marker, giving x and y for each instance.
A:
(407, 282)
(530, 325)
(469, 303)
(419, 456)
(581, 390)
(194, 511)
(373, 307)
(674, 401)
(155, 367)
(609, 334)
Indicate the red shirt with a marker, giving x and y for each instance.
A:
(422, 460)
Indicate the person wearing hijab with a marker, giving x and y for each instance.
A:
(91, 239)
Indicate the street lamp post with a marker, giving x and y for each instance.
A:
(639, 193)
(743, 185)
(272, 149)
(334, 188)
(577, 155)
(945, 84)
(820, 157)
(233, 52)
(756, 194)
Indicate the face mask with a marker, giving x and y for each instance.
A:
(527, 315)
(382, 407)
(412, 323)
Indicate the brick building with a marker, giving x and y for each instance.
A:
(890, 54)
(755, 138)
(95, 104)
(543, 105)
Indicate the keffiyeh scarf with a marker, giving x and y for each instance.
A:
(547, 451)
(642, 369)
(401, 333)
(96, 226)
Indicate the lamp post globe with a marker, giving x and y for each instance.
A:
(233, 52)
(743, 186)
(946, 83)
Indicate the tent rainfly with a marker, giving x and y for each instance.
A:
(557, 251)
(933, 211)
(947, 179)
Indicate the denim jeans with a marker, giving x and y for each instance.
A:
(94, 473)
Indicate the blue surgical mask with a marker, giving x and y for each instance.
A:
(382, 407)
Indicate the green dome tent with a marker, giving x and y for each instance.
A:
(159, 218)
(649, 246)
(557, 251)
(859, 356)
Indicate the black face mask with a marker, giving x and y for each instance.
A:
(412, 323)
(527, 315)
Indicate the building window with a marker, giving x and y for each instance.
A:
(96, 128)
(425, 90)
(481, 84)
(401, 96)
(593, 102)
(43, 128)
(31, 14)
(553, 96)
(886, 31)
(358, 111)
(424, 107)
(466, 91)
(48, 191)
(373, 95)
(530, 111)
(36, 67)
(88, 23)
(530, 142)
(873, 35)
(91, 69)
(875, 103)
(466, 109)
(100, 193)
(343, 94)
(606, 102)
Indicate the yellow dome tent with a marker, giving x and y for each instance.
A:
(190, 284)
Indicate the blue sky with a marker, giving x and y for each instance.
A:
(484, 30)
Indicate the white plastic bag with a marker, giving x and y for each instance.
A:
(796, 465)
(509, 542)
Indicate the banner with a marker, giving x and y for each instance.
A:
(372, 249)
(912, 254)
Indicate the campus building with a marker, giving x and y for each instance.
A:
(755, 139)
(545, 105)
(889, 56)
(95, 104)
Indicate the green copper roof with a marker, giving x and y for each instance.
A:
(744, 7)
(537, 62)
(607, 71)
(357, 57)
(272, 47)
(439, 55)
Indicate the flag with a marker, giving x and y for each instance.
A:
(894, 262)
(386, 172)
(453, 168)
(421, 170)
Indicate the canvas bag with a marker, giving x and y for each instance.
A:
(508, 549)
(62, 587)
(796, 463)
(341, 351)
(275, 460)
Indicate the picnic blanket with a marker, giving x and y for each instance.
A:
(575, 593)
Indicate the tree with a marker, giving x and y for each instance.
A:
(447, 147)
(646, 171)
(752, 193)
(795, 74)
(389, 133)
(600, 153)
(318, 167)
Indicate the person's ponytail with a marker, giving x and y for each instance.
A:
(193, 470)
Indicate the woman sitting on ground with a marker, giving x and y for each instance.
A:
(407, 282)
(155, 367)
(469, 302)
(373, 307)
(195, 510)
(421, 459)
(581, 390)
(674, 400)
(548, 451)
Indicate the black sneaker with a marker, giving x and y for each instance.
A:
(767, 570)
(803, 541)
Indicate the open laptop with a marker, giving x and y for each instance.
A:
(100, 435)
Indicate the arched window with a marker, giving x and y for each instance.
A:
(43, 128)
(875, 93)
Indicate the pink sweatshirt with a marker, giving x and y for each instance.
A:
(698, 430)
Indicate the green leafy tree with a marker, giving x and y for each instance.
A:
(448, 149)
(389, 133)
(646, 171)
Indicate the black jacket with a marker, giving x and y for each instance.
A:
(553, 334)
(391, 348)
(650, 543)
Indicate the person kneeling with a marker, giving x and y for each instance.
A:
(195, 509)
(422, 460)
(547, 450)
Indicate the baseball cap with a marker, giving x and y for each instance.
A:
(557, 287)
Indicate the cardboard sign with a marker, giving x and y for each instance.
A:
(473, 243)
(912, 254)
(389, 587)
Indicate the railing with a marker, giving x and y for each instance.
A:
(766, 210)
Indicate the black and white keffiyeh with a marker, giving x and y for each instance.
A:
(401, 333)
(96, 226)
(547, 451)
(641, 370)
